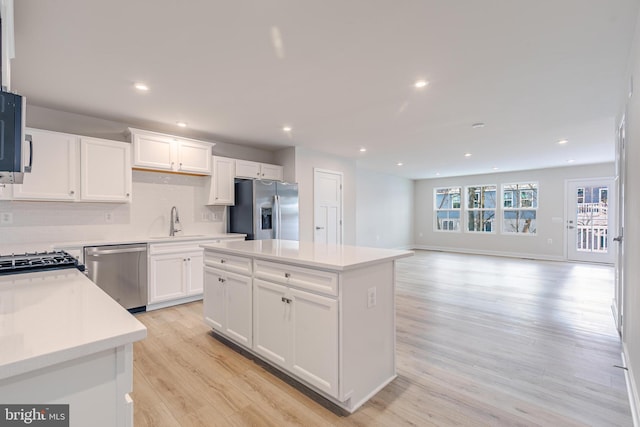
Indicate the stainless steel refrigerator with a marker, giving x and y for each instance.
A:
(265, 210)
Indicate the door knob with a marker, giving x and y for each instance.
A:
(571, 227)
(319, 228)
(617, 239)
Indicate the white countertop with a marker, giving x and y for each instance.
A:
(331, 257)
(152, 239)
(51, 317)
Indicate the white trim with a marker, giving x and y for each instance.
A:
(632, 390)
(491, 253)
(341, 219)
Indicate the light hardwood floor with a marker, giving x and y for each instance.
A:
(481, 341)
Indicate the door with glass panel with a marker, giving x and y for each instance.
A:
(590, 220)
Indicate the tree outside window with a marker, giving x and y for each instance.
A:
(481, 208)
(519, 208)
(447, 209)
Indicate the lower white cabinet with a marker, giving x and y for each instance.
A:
(176, 272)
(228, 304)
(298, 331)
(172, 276)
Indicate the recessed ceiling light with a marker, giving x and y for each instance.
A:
(141, 86)
(420, 84)
(399, 164)
(570, 161)
(467, 154)
(563, 141)
(182, 124)
(362, 150)
(437, 173)
(495, 168)
(286, 128)
(478, 125)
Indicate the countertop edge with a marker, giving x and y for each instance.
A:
(147, 240)
(307, 263)
(42, 361)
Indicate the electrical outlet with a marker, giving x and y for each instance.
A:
(217, 216)
(6, 218)
(550, 241)
(371, 297)
(108, 217)
(205, 216)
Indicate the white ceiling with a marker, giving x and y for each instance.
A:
(341, 74)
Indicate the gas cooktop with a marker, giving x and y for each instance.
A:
(37, 261)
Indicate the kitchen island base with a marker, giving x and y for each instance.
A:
(324, 315)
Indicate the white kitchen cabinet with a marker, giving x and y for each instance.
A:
(175, 275)
(298, 331)
(167, 277)
(249, 169)
(322, 314)
(6, 191)
(176, 272)
(222, 185)
(157, 151)
(105, 170)
(228, 304)
(54, 173)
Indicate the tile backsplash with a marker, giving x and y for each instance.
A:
(38, 225)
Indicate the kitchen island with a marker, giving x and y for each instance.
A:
(322, 314)
(64, 341)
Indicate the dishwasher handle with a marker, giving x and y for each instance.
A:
(97, 251)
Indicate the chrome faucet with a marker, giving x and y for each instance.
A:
(175, 226)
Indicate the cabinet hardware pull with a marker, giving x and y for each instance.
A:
(284, 299)
(287, 275)
(128, 194)
(222, 261)
(72, 192)
(220, 279)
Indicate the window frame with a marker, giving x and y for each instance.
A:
(480, 209)
(437, 210)
(518, 206)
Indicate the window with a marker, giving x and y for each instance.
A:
(447, 209)
(519, 208)
(481, 208)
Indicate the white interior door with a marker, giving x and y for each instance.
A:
(327, 202)
(590, 220)
(618, 299)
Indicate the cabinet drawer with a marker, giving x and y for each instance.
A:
(307, 278)
(227, 262)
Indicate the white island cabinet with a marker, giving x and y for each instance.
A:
(64, 341)
(324, 314)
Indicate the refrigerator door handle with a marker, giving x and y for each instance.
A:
(278, 217)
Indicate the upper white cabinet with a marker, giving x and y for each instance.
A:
(54, 172)
(249, 169)
(222, 187)
(105, 170)
(67, 167)
(157, 151)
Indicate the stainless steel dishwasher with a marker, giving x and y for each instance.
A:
(120, 271)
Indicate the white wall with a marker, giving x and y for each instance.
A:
(305, 161)
(384, 210)
(38, 225)
(631, 242)
(79, 124)
(551, 200)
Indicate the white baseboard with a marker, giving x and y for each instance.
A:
(632, 389)
(491, 253)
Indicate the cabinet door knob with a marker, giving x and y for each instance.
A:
(287, 275)
(222, 261)
(128, 194)
(72, 192)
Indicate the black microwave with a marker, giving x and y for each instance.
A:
(12, 135)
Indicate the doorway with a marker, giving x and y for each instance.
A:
(590, 220)
(327, 202)
(617, 306)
